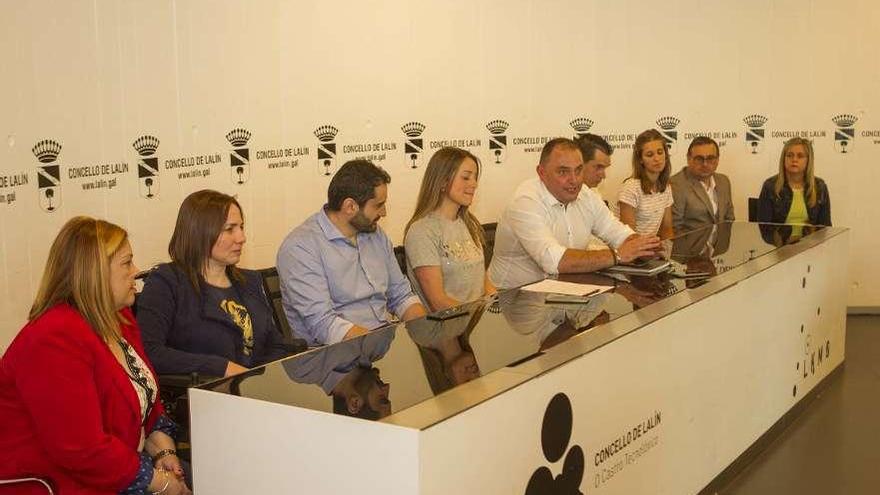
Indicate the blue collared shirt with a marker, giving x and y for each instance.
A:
(329, 284)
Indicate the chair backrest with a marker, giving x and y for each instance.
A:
(37, 483)
(400, 254)
(272, 286)
(489, 237)
(141, 277)
(753, 209)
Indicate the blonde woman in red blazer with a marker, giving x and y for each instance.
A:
(79, 403)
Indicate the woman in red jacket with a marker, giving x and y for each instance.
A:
(78, 402)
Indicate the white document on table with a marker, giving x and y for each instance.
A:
(567, 288)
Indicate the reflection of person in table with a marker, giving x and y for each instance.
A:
(696, 250)
(551, 324)
(345, 371)
(642, 291)
(445, 347)
(779, 235)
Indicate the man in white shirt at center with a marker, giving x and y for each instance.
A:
(548, 224)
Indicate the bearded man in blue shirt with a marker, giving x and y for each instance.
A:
(339, 277)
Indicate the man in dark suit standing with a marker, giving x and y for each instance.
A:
(701, 196)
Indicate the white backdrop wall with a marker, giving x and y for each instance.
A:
(94, 77)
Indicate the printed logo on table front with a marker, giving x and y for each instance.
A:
(498, 139)
(667, 127)
(814, 340)
(239, 157)
(414, 145)
(326, 135)
(754, 132)
(845, 133)
(555, 436)
(148, 165)
(48, 174)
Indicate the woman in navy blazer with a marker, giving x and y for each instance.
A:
(201, 313)
(795, 184)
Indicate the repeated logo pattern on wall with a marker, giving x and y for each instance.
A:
(239, 157)
(581, 126)
(48, 174)
(326, 134)
(845, 133)
(148, 165)
(754, 132)
(667, 127)
(498, 147)
(414, 143)
(498, 139)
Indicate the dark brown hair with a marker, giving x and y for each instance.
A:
(590, 143)
(358, 180)
(200, 220)
(638, 167)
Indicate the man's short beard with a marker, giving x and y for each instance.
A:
(361, 223)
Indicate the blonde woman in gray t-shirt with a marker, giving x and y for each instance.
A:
(443, 239)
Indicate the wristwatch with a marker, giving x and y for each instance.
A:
(615, 254)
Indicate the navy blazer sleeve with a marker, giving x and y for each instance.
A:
(156, 309)
(765, 202)
(824, 216)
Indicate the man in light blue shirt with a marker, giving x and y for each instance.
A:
(339, 277)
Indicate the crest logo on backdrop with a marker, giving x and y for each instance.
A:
(326, 149)
(48, 174)
(414, 144)
(581, 126)
(498, 139)
(148, 165)
(667, 127)
(239, 157)
(845, 132)
(754, 132)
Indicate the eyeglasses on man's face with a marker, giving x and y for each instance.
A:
(705, 160)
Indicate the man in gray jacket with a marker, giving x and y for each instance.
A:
(701, 196)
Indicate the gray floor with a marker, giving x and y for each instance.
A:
(834, 447)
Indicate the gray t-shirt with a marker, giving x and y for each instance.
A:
(436, 241)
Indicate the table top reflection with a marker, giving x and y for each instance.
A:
(400, 365)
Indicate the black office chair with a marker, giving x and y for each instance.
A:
(272, 287)
(173, 392)
(489, 241)
(753, 209)
(400, 254)
(142, 276)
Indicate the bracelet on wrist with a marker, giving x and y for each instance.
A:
(615, 255)
(163, 453)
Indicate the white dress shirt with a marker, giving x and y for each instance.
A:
(712, 193)
(536, 229)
